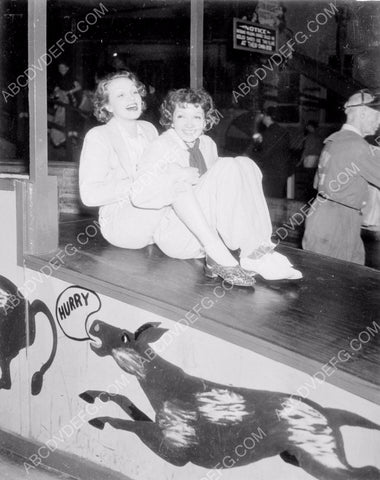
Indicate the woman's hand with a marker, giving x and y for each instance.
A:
(189, 175)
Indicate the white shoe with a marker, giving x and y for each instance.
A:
(272, 266)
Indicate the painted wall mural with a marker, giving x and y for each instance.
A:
(203, 422)
(73, 309)
(15, 335)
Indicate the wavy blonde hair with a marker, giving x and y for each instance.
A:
(101, 94)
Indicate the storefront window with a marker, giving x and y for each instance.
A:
(91, 39)
(14, 79)
(242, 71)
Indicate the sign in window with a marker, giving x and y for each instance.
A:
(253, 37)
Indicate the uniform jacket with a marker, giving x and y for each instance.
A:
(346, 165)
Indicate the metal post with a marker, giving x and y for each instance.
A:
(37, 89)
(196, 43)
(37, 199)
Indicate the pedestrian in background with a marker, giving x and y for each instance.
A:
(270, 149)
(348, 163)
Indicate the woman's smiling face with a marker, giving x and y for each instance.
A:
(124, 100)
(189, 121)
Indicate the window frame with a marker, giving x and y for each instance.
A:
(37, 230)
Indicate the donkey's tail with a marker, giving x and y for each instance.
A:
(342, 417)
(37, 379)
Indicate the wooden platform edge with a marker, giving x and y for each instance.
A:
(63, 462)
(340, 378)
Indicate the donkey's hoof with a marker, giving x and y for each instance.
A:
(87, 397)
(97, 423)
(5, 384)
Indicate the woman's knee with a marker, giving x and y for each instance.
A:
(226, 162)
(228, 167)
(248, 163)
(233, 169)
(238, 163)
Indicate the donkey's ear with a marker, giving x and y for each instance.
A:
(149, 332)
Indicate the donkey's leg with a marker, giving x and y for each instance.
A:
(5, 380)
(326, 447)
(342, 417)
(150, 434)
(330, 467)
(123, 402)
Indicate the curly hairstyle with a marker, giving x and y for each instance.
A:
(184, 96)
(101, 93)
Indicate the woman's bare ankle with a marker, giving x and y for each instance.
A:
(220, 254)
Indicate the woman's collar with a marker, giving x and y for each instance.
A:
(115, 123)
(171, 131)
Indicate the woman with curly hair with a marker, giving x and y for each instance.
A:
(213, 205)
(173, 190)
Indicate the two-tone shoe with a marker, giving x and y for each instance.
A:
(271, 266)
(232, 275)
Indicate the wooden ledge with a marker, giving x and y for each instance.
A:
(303, 324)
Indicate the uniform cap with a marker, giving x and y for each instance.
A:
(363, 98)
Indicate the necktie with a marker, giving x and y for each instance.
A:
(196, 158)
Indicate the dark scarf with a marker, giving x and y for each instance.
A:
(196, 157)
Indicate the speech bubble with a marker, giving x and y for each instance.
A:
(73, 309)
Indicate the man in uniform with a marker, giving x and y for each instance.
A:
(346, 165)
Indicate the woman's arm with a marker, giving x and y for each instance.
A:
(77, 88)
(162, 174)
(100, 182)
(209, 150)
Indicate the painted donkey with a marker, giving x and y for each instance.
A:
(18, 330)
(203, 422)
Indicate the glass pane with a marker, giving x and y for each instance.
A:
(90, 39)
(14, 109)
(325, 51)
